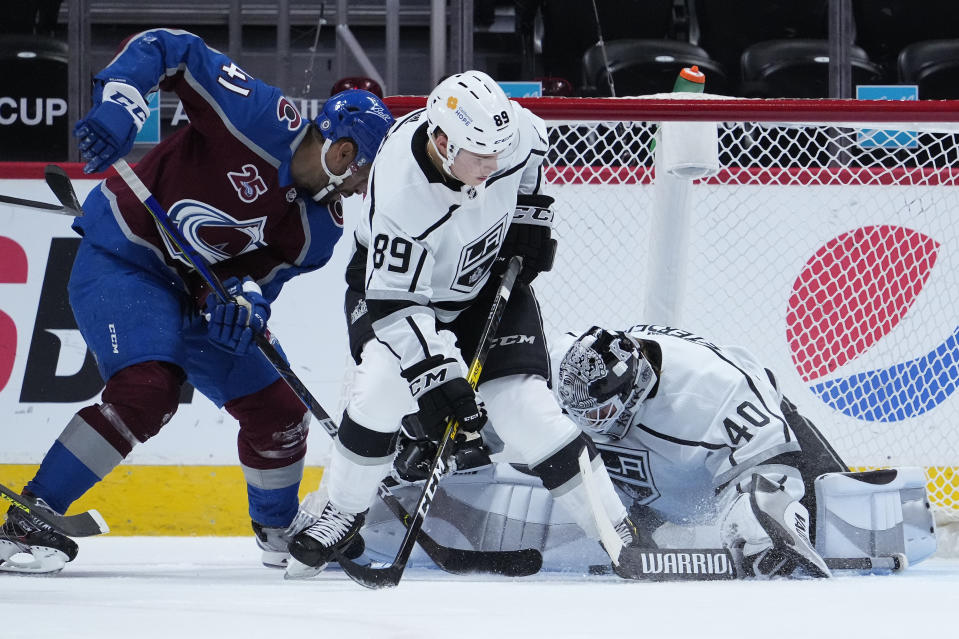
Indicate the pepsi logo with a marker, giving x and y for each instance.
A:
(850, 296)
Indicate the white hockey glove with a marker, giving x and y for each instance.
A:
(766, 532)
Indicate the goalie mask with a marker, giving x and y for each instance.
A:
(474, 114)
(602, 378)
(358, 115)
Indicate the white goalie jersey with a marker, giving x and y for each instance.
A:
(714, 415)
(431, 241)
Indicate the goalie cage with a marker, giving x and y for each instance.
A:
(822, 238)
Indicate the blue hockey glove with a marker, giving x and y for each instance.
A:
(232, 325)
(107, 132)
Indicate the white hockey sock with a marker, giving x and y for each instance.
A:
(352, 485)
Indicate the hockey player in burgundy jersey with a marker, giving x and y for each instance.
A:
(256, 190)
(456, 187)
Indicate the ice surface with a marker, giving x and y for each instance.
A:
(209, 587)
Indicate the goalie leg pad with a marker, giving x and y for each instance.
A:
(875, 514)
(766, 531)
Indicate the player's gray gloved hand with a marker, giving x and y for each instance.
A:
(441, 392)
(107, 132)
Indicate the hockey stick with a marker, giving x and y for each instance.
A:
(33, 204)
(522, 562)
(85, 524)
(608, 536)
(59, 182)
(518, 563)
(716, 564)
(389, 575)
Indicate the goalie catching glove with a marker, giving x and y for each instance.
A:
(530, 237)
(441, 392)
(233, 324)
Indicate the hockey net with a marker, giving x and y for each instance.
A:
(823, 239)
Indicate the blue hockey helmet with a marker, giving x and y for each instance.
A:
(358, 115)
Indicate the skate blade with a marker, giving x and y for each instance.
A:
(275, 559)
(32, 560)
(296, 569)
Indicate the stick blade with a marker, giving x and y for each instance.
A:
(59, 182)
(372, 577)
(507, 563)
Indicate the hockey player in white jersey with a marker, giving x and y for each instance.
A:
(695, 433)
(455, 188)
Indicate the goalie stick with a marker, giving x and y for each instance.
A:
(85, 524)
(513, 563)
(716, 564)
(389, 575)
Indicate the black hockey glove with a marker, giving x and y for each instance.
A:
(441, 393)
(530, 236)
(414, 457)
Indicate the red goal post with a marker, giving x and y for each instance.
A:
(823, 237)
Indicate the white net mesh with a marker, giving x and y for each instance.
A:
(829, 250)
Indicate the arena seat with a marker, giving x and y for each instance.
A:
(885, 27)
(570, 29)
(798, 69)
(641, 67)
(726, 29)
(932, 65)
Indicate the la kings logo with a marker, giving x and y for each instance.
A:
(358, 311)
(477, 257)
(629, 468)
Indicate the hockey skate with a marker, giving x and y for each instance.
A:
(320, 538)
(31, 547)
(274, 543)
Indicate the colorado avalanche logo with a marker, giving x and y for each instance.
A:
(286, 112)
(336, 212)
(848, 299)
(215, 235)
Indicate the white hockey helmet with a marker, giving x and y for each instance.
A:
(602, 378)
(474, 114)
